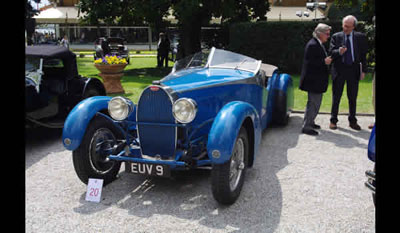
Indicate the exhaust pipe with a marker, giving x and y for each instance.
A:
(370, 175)
(370, 184)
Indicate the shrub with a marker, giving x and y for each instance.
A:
(278, 43)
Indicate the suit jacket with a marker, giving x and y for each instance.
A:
(360, 51)
(314, 73)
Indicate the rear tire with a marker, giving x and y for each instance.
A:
(90, 158)
(280, 114)
(227, 179)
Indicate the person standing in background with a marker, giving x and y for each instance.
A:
(163, 48)
(64, 42)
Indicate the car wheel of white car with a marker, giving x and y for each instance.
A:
(228, 178)
(90, 158)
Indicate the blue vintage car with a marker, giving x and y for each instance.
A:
(208, 112)
(371, 175)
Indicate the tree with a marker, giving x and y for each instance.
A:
(98, 11)
(366, 7)
(30, 22)
(193, 14)
(125, 12)
(153, 12)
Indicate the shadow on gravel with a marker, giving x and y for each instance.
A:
(39, 142)
(188, 194)
(344, 140)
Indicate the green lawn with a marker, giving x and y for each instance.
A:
(142, 71)
(364, 99)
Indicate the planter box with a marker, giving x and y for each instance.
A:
(111, 75)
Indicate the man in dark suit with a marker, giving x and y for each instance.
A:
(348, 49)
(163, 48)
(314, 76)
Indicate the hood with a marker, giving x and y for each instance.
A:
(196, 78)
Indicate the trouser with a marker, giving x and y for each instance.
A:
(162, 58)
(350, 76)
(312, 109)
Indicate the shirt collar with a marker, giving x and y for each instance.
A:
(351, 34)
(320, 42)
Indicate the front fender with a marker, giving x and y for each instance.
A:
(78, 119)
(225, 129)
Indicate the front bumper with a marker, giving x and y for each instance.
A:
(171, 163)
(370, 183)
(133, 154)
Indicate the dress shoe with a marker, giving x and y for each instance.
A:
(332, 126)
(309, 131)
(355, 126)
(315, 126)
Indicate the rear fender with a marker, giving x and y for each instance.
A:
(95, 83)
(78, 119)
(371, 145)
(225, 130)
(280, 91)
(284, 86)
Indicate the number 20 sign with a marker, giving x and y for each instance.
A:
(94, 188)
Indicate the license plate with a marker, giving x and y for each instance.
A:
(150, 169)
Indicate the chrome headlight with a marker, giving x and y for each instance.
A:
(184, 110)
(120, 108)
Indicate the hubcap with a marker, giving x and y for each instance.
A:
(100, 148)
(237, 164)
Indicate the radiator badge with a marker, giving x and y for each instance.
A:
(154, 88)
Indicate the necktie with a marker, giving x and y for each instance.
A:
(348, 59)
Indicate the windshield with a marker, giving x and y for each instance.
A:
(33, 70)
(226, 59)
(32, 64)
(192, 61)
(218, 58)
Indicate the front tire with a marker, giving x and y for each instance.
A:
(228, 178)
(90, 158)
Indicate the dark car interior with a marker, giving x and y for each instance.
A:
(55, 76)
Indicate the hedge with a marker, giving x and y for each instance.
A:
(278, 43)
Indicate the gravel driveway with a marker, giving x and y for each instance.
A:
(299, 183)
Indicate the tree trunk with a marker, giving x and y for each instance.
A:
(189, 42)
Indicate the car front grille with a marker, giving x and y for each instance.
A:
(154, 110)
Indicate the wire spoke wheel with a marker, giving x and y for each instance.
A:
(237, 164)
(100, 147)
(91, 157)
(227, 178)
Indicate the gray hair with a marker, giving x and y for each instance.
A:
(321, 28)
(354, 19)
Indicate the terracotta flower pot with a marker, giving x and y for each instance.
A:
(111, 75)
(111, 69)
